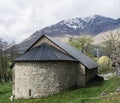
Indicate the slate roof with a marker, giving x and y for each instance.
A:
(82, 58)
(44, 52)
(73, 52)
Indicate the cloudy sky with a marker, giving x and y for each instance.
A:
(20, 18)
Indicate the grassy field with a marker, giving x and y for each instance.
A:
(90, 94)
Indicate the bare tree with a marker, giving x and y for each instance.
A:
(13, 53)
(5, 57)
(1, 60)
(111, 48)
(6, 60)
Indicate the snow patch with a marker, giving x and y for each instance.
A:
(89, 18)
(73, 23)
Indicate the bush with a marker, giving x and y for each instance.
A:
(105, 64)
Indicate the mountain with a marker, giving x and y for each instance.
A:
(89, 25)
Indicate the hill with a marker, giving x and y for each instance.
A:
(101, 37)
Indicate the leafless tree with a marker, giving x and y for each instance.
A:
(7, 54)
(1, 59)
(111, 47)
(13, 53)
(5, 59)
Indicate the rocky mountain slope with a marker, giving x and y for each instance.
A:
(89, 25)
(101, 37)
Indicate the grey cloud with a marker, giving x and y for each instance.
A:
(20, 18)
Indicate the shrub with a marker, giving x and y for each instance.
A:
(105, 64)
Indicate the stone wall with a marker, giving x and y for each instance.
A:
(81, 76)
(90, 74)
(37, 79)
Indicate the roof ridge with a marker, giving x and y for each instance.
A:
(43, 35)
(44, 52)
(73, 52)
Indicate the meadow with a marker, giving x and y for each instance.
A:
(89, 94)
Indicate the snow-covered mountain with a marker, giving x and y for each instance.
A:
(81, 23)
(89, 25)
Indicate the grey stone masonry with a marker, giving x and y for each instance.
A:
(38, 79)
(90, 74)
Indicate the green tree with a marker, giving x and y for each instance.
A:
(83, 43)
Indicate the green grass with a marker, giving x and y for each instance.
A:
(5, 92)
(82, 95)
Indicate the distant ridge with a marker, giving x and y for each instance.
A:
(101, 37)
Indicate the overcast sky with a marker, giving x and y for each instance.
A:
(20, 18)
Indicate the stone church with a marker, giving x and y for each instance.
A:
(49, 66)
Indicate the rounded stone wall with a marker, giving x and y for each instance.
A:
(37, 79)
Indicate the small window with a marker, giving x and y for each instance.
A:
(29, 92)
(18, 89)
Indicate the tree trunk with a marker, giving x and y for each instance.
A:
(118, 69)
